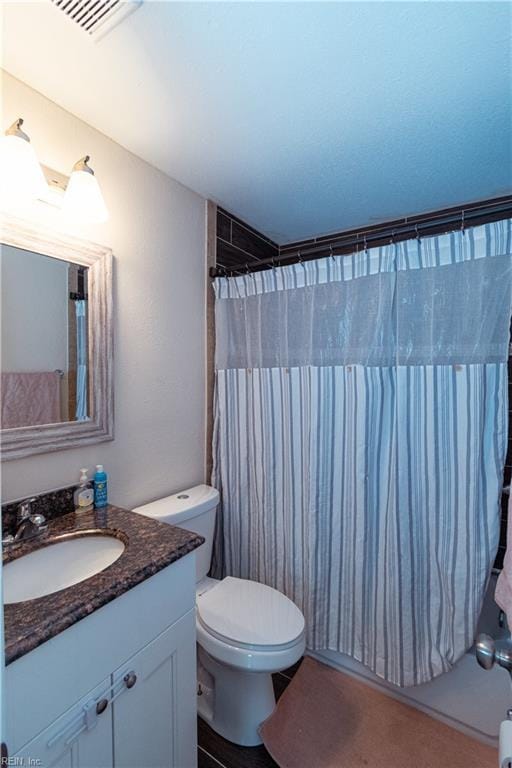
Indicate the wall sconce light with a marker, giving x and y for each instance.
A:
(22, 181)
(21, 177)
(83, 196)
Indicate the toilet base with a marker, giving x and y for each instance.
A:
(234, 702)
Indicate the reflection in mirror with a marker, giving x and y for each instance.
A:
(44, 353)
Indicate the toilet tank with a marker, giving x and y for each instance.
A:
(194, 509)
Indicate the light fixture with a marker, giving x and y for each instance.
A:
(21, 177)
(83, 198)
(23, 182)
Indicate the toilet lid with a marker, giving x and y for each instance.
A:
(250, 613)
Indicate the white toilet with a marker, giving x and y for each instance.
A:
(246, 631)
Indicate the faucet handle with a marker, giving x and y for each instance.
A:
(25, 509)
(39, 520)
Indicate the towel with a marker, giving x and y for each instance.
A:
(503, 593)
(30, 398)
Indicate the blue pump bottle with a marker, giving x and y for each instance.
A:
(100, 487)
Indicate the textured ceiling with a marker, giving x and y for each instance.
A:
(301, 118)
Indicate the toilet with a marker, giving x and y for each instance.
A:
(246, 631)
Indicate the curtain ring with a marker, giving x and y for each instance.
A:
(332, 254)
(462, 224)
(365, 244)
(418, 238)
(392, 238)
(247, 268)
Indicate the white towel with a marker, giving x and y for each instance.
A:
(503, 593)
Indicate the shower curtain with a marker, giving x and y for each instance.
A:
(359, 442)
(81, 360)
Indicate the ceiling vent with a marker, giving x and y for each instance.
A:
(97, 17)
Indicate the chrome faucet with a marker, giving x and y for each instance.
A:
(28, 523)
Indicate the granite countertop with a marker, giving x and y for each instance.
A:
(149, 547)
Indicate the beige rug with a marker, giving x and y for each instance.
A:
(326, 719)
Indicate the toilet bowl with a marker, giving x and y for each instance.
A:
(246, 631)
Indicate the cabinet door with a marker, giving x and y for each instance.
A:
(74, 740)
(155, 715)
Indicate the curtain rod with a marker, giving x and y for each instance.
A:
(374, 235)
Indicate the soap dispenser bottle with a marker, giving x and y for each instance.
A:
(84, 494)
(100, 487)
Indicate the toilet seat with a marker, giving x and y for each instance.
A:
(262, 659)
(249, 615)
(248, 626)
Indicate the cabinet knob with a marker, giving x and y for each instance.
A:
(101, 706)
(130, 679)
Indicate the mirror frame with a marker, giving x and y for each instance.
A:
(16, 443)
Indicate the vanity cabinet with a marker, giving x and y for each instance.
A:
(115, 690)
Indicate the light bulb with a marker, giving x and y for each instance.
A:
(21, 177)
(83, 198)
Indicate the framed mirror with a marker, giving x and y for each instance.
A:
(56, 341)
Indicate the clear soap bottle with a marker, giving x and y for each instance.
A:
(84, 494)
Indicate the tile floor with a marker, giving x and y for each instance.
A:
(216, 752)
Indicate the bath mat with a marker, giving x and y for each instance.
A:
(326, 719)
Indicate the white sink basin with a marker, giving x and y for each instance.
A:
(59, 565)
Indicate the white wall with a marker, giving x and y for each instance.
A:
(34, 311)
(156, 230)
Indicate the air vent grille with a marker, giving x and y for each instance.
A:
(97, 17)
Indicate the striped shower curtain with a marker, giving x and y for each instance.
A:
(81, 359)
(359, 442)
